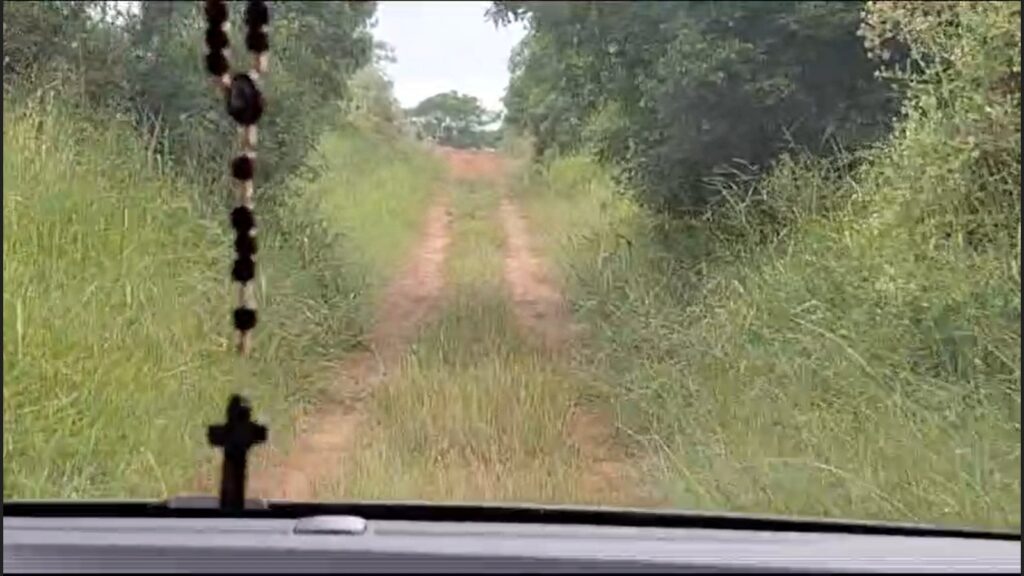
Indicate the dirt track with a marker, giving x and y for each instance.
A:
(324, 438)
(540, 308)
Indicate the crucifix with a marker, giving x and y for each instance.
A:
(244, 102)
(235, 437)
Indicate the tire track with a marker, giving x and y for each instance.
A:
(325, 437)
(609, 475)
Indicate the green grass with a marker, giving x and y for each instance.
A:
(375, 190)
(476, 411)
(118, 350)
(847, 370)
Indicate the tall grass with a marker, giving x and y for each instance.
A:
(841, 374)
(375, 189)
(117, 335)
(839, 338)
(860, 360)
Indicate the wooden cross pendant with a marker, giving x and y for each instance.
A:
(235, 437)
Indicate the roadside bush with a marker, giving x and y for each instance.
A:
(838, 338)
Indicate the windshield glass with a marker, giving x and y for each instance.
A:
(745, 257)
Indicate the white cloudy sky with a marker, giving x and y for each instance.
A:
(443, 46)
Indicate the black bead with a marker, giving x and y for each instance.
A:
(256, 14)
(216, 12)
(257, 41)
(242, 168)
(245, 319)
(244, 270)
(216, 63)
(216, 39)
(245, 245)
(244, 101)
(242, 219)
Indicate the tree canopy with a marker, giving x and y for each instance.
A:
(674, 93)
(454, 119)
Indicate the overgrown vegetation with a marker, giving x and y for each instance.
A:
(148, 65)
(375, 188)
(791, 232)
(841, 336)
(117, 344)
(117, 334)
(677, 93)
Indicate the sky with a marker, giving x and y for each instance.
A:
(443, 46)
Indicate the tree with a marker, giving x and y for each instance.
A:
(672, 93)
(30, 48)
(149, 63)
(371, 98)
(453, 119)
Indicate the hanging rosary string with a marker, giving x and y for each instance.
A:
(244, 103)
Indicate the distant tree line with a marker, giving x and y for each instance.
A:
(456, 120)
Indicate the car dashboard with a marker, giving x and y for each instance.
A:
(44, 539)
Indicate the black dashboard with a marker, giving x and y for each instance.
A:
(408, 539)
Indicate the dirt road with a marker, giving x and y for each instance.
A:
(541, 308)
(326, 437)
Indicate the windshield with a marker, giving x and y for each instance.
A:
(744, 257)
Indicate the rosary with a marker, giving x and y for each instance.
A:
(244, 104)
